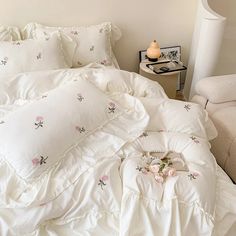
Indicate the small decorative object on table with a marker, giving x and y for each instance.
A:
(166, 54)
(153, 52)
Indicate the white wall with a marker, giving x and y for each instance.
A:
(169, 21)
(227, 57)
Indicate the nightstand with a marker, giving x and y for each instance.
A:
(168, 81)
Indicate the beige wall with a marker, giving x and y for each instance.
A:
(227, 57)
(170, 22)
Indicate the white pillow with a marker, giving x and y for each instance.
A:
(35, 137)
(177, 116)
(49, 142)
(93, 42)
(31, 55)
(9, 33)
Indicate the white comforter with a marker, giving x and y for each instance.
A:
(114, 196)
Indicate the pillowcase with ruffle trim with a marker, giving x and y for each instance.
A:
(48, 143)
(94, 43)
(31, 55)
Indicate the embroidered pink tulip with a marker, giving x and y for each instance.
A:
(39, 118)
(112, 104)
(80, 97)
(104, 178)
(105, 62)
(187, 107)
(35, 161)
(154, 168)
(111, 107)
(172, 172)
(102, 181)
(39, 122)
(195, 140)
(80, 129)
(159, 179)
(4, 61)
(193, 175)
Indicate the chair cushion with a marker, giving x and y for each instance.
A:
(224, 146)
(218, 89)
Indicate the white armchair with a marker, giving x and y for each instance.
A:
(217, 95)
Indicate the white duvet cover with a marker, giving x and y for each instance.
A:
(102, 186)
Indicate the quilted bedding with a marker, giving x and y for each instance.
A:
(80, 153)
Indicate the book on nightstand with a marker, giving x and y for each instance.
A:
(166, 67)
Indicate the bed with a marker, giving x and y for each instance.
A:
(89, 149)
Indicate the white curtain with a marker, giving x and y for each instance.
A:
(206, 45)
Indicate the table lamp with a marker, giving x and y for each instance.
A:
(153, 52)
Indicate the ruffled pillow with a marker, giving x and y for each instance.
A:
(9, 33)
(48, 143)
(94, 43)
(177, 116)
(31, 55)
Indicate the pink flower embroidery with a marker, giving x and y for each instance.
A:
(80, 97)
(104, 178)
(4, 61)
(35, 161)
(102, 181)
(105, 62)
(39, 118)
(39, 122)
(187, 107)
(193, 175)
(80, 129)
(195, 140)
(111, 107)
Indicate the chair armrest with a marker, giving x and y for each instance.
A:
(200, 100)
(218, 89)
